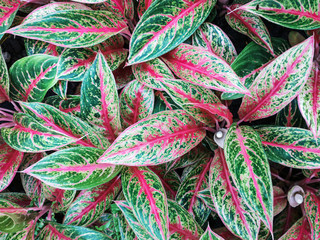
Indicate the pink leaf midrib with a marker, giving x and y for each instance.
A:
(57, 233)
(187, 234)
(315, 100)
(292, 147)
(8, 14)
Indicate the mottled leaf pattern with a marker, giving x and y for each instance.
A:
(8, 9)
(163, 102)
(249, 168)
(32, 76)
(201, 67)
(162, 27)
(312, 205)
(230, 206)
(38, 47)
(72, 28)
(212, 38)
(136, 103)
(210, 235)
(290, 116)
(60, 88)
(279, 200)
(4, 79)
(143, 190)
(73, 168)
(292, 147)
(299, 231)
(153, 141)
(69, 105)
(143, 6)
(278, 83)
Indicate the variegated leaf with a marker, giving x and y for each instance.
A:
(201, 67)
(73, 168)
(249, 24)
(279, 200)
(143, 6)
(25, 234)
(250, 171)
(30, 136)
(163, 102)
(69, 105)
(230, 206)
(123, 75)
(309, 100)
(74, 63)
(8, 9)
(195, 180)
(72, 28)
(136, 103)
(60, 88)
(31, 185)
(72, 127)
(312, 209)
(18, 198)
(294, 14)
(292, 147)
(165, 25)
(32, 76)
(38, 47)
(225, 233)
(151, 72)
(60, 198)
(278, 83)
(299, 231)
(160, 138)
(10, 161)
(210, 235)
(106, 225)
(56, 231)
(92, 203)
(212, 38)
(99, 99)
(143, 190)
(122, 8)
(4, 79)
(290, 116)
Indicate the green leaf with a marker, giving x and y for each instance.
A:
(299, 230)
(160, 138)
(32, 76)
(61, 89)
(165, 25)
(163, 102)
(210, 235)
(311, 206)
(4, 80)
(72, 28)
(292, 147)
(294, 14)
(38, 47)
(99, 99)
(290, 116)
(71, 104)
(78, 165)
(250, 171)
(8, 10)
(143, 190)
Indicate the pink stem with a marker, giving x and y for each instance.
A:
(280, 178)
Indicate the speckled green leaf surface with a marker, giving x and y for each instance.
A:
(278, 83)
(71, 104)
(122, 8)
(67, 125)
(250, 171)
(143, 190)
(73, 63)
(99, 99)
(8, 9)
(201, 67)
(73, 168)
(249, 24)
(39, 47)
(279, 200)
(143, 6)
(60, 88)
(165, 25)
(309, 100)
(92, 203)
(294, 14)
(4, 80)
(32, 76)
(210, 235)
(299, 231)
(10, 160)
(25, 234)
(290, 116)
(312, 209)
(136, 103)
(152, 141)
(212, 38)
(292, 147)
(230, 206)
(72, 28)
(163, 102)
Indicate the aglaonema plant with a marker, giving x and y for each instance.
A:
(140, 120)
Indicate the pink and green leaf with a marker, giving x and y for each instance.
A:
(72, 28)
(18, 198)
(290, 116)
(279, 200)
(61, 88)
(299, 231)
(4, 80)
(136, 103)
(160, 138)
(122, 227)
(249, 167)
(123, 75)
(32, 76)
(249, 24)
(273, 90)
(229, 205)
(312, 210)
(212, 38)
(73, 63)
(303, 15)
(143, 6)
(78, 165)
(143, 189)
(70, 105)
(101, 109)
(163, 102)
(210, 235)
(122, 8)
(8, 10)
(292, 147)
(165, 25)
(10, 160)
(92, 203)
(201, 67)
(39, 47)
